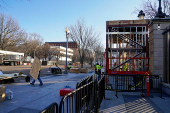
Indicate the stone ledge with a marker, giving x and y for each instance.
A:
(166, 88)
(166, 85)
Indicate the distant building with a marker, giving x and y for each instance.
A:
(59, 53)
(72, 45)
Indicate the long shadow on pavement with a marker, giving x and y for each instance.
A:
(137, 103)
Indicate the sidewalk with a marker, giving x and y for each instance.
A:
(131, 102)
(34, 98)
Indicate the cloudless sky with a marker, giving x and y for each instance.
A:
(49, 18)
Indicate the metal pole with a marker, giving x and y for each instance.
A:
(66, 53)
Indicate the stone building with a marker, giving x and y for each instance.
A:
(157, 46)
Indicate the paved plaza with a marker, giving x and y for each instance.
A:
(34, 98)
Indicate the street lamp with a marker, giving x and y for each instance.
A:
(67, 34)
(141, 15)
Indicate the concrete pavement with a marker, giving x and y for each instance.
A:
(34, 98)
(132, 102)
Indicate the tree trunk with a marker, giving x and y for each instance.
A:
(81, 61)
(91, 64)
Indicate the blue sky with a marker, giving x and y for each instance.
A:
(49, 18)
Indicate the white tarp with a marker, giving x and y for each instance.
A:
(10, 53)
(35, 68)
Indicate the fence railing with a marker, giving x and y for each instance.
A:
(80, 100)
(53, 108)
(87, 98)
(134, 83)
(100, 91)
(83, 81)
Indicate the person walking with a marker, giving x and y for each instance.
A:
(41, 83)
(99, 71)
(96, 69)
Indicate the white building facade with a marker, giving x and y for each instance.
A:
(59, 54)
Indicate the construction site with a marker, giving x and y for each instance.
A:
(127, 47)
(135, 76)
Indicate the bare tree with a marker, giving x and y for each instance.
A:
(20, 39)
(75, 57)
(150, 8)
(35, 41)
(84, 36)
(89, 57)
(50, 54)
(98, 49)
(25, 46)
(10, 33)
(45, 50)
(31, 44)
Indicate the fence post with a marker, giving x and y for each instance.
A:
(104, 86)
(142, 84)
(161, 86)
(95, 95)
(98, 85)
(147, 82)
(117, 86)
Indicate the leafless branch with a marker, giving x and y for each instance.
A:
(85, 36)
(150, 8)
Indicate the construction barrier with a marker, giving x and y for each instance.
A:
(134, 83)
(86, 98)
(84, 81)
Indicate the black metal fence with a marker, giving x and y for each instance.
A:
(100, 91)
(134, 83)
(53, 108)
(84, 81)
(78, 100)
(86, 98)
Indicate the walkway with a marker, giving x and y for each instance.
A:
(132, 102)
(34, 98)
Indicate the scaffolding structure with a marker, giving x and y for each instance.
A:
(127, 47)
